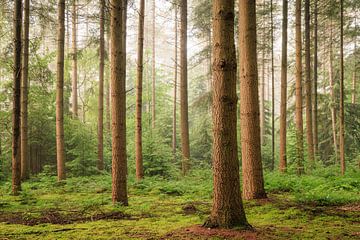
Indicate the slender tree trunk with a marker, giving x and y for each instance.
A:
(272, 166)
(342, 94)
(309, 129)
(253, 181)
(184, 90)
(227, 210)
(74, 61)
(332, 94)
(24, 95)
(283, 104)
(107, 85)
(353, 95)
(139, 87)
(315, 95)
(262, 90)
(60, 151)
(16, 144)
(118, 104)
(100, 163)
(175, 83)
(153, 67)
(298, 101)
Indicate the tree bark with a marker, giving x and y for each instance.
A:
(153, 97)
(24, 95)
(227, 210)
(272, 165)
(298, 90)
(283, 104)
(342, 94)
(139, 88)
(74, 62)
(253, 182)
(175, 83)
(16, 144)
(309, 129)
(60, 151)
(118, 103)
(315, 95)
(184, 118)
(262, 90)
(100, 163)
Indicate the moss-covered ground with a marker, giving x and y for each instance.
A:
(323, 207)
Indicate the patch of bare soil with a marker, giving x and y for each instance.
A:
(56, 217)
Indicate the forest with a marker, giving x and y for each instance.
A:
(179, 119)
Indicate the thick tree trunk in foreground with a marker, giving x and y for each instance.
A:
(283, 104)
(227, 210)
(253, 181)
(25, 168)
(118, 103)
(309, 128)
(74, 62)
(298, 93)
(16, 147)
(60, 151)
(342, 93)
(184, 117)
(139, 88)
(100, 163)
(175, 83)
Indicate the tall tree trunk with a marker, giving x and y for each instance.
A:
(74, 61)
(353, 95)
(227, 210)
(298, 100)
(253, 181)
(153, 98)
(309, 129)
(342, 94)
(315, 95)
(184, 117)
(107, 84)
(175, 83)
(262, 89)
(139, 87)
(118, 103)
(332, 95)
(283, 104)
(60, 151)
(272, 91)
(16, 144)
(24, 95)
(100, 163)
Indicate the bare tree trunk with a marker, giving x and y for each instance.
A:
(283, 104)
(118, 104)
(16, 144)
(272, 166)
(60, 151)
(227, 210)
(315, 95)
(298, 101)
(175, 83)
(139, 86)
(342, 94)
(253, 181)
(184, 90)
(100, 163)
(24, 95)
(262, 90)
(353, 95)
(74, 62)
(153, 67)
(309, 129)
(107, 85)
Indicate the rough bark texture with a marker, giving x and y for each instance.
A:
(315, 85)
(184, 117)
(308, 92)
(100, 163)
(298, 93)
(342, 93)
(60, 152)
(227, 210)
(16, 150)
(74, 61)
(139, 88)
(175, 83)
(253, 181)
(118, 103)
(25, 169)
(153, 96)
(272, 165)
(283, 104)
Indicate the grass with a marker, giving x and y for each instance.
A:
(307, 207)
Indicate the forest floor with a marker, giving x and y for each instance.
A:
(308, 207)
